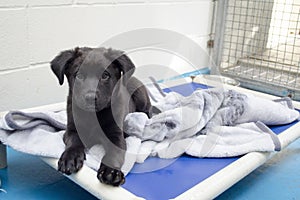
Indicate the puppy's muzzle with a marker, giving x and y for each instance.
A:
(90, 98)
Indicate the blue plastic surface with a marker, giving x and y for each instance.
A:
(174, 179)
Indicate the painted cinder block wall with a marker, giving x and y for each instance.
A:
(32, 32)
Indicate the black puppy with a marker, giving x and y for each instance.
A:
(102, 91)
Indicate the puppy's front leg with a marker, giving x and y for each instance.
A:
(73, 157)
(110, 168)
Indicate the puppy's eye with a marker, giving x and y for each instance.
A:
(105, 76)
(79, 76)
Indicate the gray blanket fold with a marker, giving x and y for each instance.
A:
(208, 123)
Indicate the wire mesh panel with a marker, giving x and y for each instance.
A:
(261, 45)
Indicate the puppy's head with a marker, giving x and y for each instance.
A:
(92, 74)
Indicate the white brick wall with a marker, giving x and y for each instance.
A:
(32, 32)
(13, 3)
(34, 3)
(13, 39)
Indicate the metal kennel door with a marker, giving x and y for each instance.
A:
(258, 43)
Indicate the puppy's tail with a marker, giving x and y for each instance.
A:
(154, 111)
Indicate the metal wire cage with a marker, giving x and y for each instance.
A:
(258, 43)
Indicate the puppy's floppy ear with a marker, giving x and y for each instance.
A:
(123, 61)
(59, 63)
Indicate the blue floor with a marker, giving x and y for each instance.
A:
(278, 178)
(27, 177)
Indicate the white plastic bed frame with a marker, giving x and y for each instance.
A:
(207, 189)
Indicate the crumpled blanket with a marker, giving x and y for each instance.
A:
(208, 123)
(211, 123)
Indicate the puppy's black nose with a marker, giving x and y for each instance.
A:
(90, 97)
